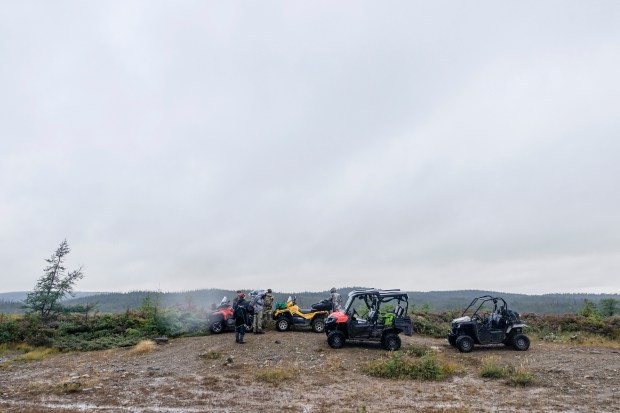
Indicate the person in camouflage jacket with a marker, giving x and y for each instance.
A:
(267, 308)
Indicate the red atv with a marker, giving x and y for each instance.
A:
(222, 318)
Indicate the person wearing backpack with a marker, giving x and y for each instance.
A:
(242, 311)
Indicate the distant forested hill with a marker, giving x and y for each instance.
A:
(434, 300)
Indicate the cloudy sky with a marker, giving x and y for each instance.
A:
(302, 145)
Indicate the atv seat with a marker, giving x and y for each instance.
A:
(372, 316)
(399, 311)
(494, 320)
(306, 311)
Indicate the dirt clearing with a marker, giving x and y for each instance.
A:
(299, 372)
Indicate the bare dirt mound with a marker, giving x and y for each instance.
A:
(298, 372)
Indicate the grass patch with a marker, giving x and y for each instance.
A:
(6, 348)
(37, 354)
(143, 347)
(492, 370)
(418, 350)
(211, 355)
(520, 377)
(71, 387)
(274, 376)
(399, 366)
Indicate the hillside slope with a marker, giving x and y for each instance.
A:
(435, 300)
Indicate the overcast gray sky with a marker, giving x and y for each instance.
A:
(302, 145)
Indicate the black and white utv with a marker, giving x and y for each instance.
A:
(487, 320)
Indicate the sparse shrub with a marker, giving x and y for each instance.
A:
(492, 370)
(274, 376)
(145, 346)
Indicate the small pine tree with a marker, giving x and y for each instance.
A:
(53, 286)
(589, 308)
(607, 307)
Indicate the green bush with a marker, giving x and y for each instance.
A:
(9, 330)
(432, 325)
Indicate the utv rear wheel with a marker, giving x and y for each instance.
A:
(335, 339)
(465, 344)
(391, 342)
(282, 324)
(318, 325)
(217, 327)
(520, 342)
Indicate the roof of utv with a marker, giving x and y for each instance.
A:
(396, 293)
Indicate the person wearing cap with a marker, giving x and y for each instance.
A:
(242, 311)
(234, 303)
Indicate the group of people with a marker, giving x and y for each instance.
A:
(260, 304)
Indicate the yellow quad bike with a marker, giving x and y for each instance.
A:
(290, 315)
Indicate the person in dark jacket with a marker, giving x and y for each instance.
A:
(242, 311)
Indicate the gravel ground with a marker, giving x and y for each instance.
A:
(214, 374)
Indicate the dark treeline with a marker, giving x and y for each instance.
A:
(200, 300)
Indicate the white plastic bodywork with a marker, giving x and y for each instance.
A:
(465, 319)
(515, 326)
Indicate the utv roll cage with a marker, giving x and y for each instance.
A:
(372, 296)
(502, 310)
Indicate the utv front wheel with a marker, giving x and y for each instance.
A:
(520, 342)
(318, 325)
(391, 342)
(217, 327)
(335, 339)
(465, 344)
(282, 324)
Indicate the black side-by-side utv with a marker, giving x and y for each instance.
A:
(490, 322)
(371, 315)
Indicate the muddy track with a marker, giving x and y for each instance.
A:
(213, 374)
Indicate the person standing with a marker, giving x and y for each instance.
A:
(336, 300)
(257, 321)
(234, 303)
(241, 311)
(267, 308)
